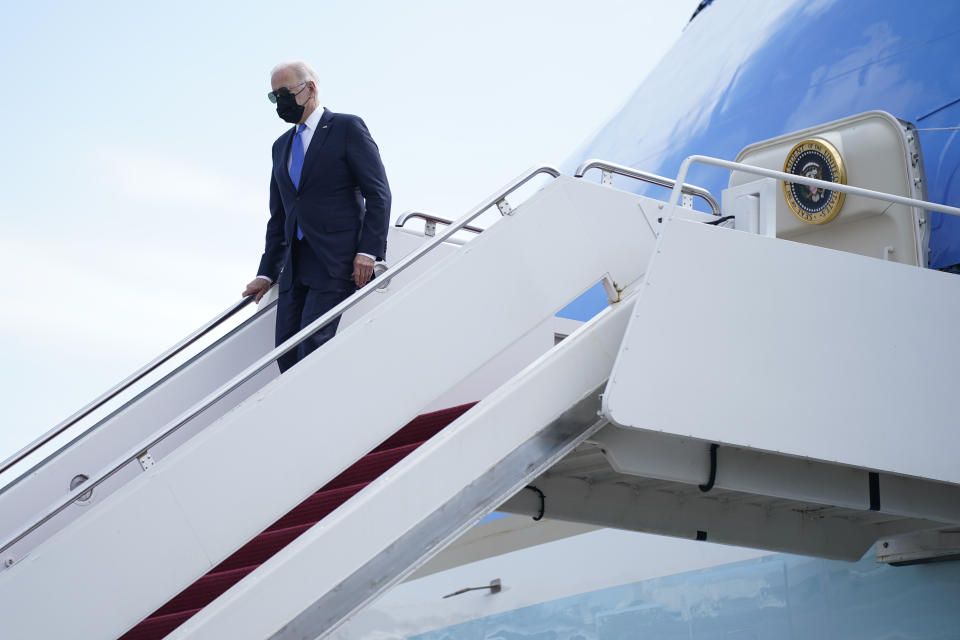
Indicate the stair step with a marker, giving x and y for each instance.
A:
(261, 548)
(158, 626)
(204, 591)
(317, 506)
(424, 427)
(370, 466)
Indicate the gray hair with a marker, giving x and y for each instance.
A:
(304, 71)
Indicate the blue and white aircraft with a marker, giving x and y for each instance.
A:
(716, 402)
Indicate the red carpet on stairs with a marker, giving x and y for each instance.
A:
(202, 592)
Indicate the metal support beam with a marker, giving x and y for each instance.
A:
(919, 548)
(704, 517)
(656, 455)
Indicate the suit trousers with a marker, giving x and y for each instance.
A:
(301, 304)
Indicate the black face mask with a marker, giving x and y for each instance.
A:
(288, 109)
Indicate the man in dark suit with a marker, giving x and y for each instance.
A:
(329, 210)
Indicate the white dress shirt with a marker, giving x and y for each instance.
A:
(305, 137)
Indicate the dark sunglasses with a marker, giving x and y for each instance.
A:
(283, 92)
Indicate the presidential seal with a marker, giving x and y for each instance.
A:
(814, 158)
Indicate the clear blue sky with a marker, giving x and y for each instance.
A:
(134, 149)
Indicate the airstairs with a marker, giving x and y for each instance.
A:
(741, 388)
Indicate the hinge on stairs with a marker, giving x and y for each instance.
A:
(146, 460)
(612, 290)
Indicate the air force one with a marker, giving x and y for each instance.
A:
(719, 401)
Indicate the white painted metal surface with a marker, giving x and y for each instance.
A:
(229, 482)
(683, 511)
(306, 579)
(753, 204)
(128, 425)
(880, 153)
(134, 422)
(792, 348)
(505, 534)
(651, 454)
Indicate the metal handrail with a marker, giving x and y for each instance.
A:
(30, 469)
(430, 217)
(122, 386)
(813, 182)
(498, 200)
(652, 178)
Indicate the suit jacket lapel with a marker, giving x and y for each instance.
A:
(319, 137)
(285, 157)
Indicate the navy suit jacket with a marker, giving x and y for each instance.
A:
(342, 204)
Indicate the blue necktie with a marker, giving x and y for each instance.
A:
(296, 165)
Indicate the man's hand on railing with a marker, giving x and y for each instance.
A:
(362, 269)
(257, 287)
